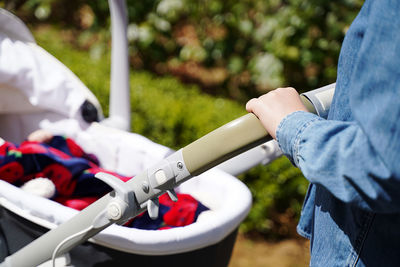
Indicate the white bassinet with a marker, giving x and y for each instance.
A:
(37, 91)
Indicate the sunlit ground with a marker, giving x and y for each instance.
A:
(287, 253)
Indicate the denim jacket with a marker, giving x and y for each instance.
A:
(351, 212)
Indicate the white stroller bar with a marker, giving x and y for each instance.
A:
(119, 113)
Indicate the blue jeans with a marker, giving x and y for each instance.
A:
(352, 209)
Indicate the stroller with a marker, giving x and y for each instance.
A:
(40, 92)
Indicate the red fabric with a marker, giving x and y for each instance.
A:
(182, 212)
(76, 203)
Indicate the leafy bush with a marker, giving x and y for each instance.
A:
(231, 48)
(173, 114)
(278, 190)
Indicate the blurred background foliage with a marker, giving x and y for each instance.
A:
(235, 49)
(200, 61)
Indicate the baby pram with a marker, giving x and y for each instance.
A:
(73, 110)
(37, 91)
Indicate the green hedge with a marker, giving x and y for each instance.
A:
(233, 48)
(173, 114)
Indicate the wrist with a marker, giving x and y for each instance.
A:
(289, 133)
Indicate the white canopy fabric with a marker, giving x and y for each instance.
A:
(36, 89)
(14, 28)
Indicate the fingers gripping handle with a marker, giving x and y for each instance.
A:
(244, 133)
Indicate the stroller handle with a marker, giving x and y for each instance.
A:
(224, 143)
(243, 134)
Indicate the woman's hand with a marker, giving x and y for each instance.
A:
(275, 105)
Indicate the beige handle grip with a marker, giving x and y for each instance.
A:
(224, 143)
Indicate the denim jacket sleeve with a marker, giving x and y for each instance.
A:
(357, 160)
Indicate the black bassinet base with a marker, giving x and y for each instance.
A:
(16, 232)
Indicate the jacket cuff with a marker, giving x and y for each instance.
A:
(288, 133)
